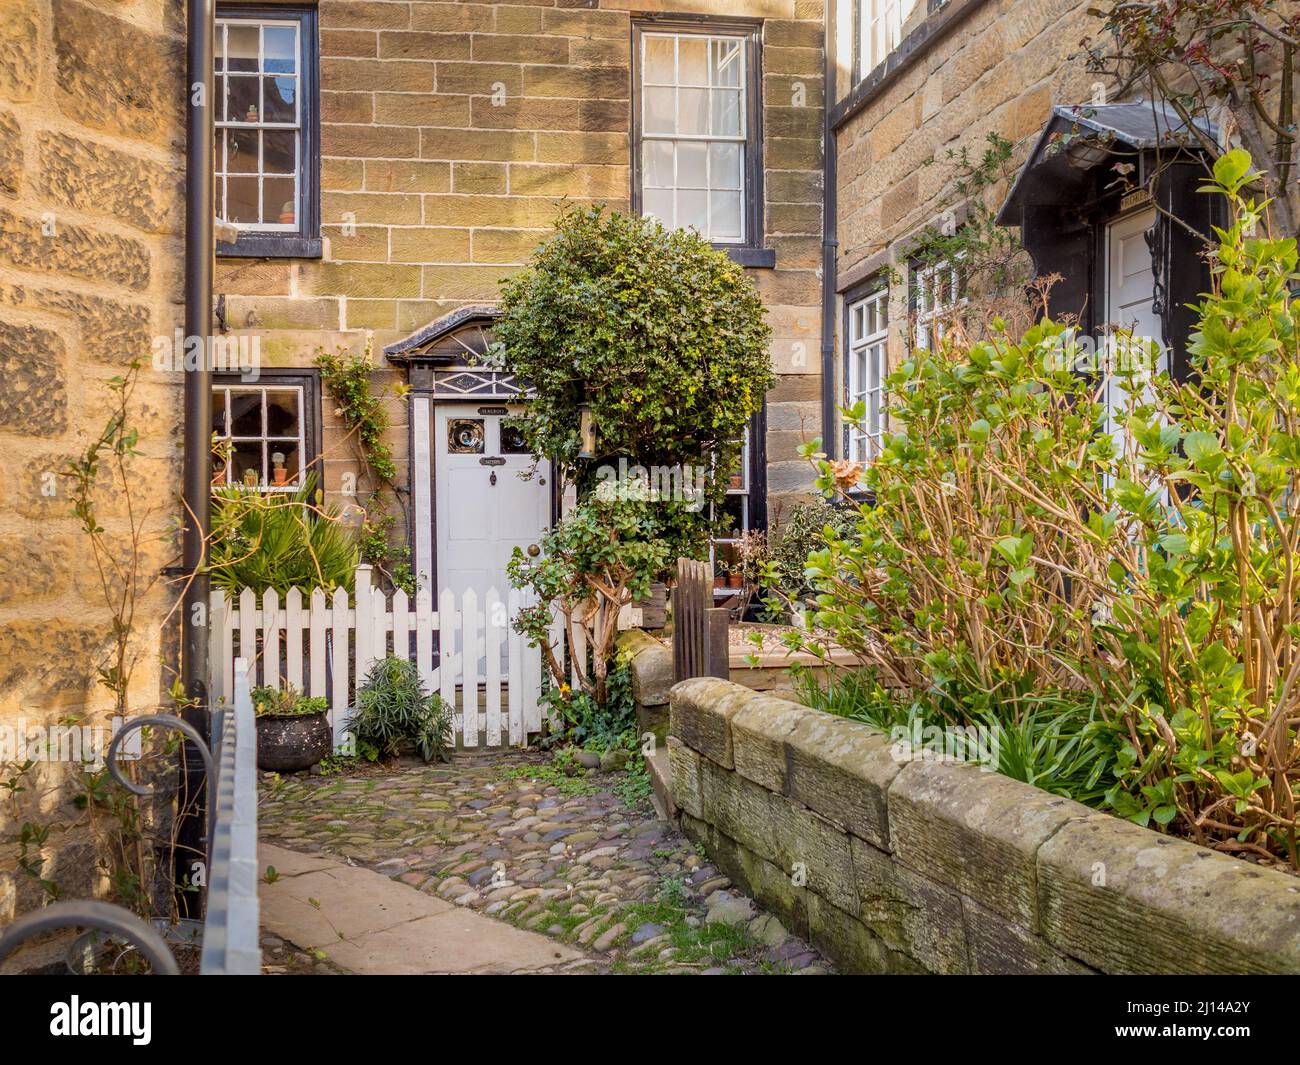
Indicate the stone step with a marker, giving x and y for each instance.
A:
(660, 782)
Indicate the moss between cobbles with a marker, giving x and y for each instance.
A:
(698, 945)
(570, 787)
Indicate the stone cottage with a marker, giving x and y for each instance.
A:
(1097, 186)
(381, 165)
(413, 154)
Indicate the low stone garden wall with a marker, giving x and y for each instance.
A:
(897, 866)
(652, 677)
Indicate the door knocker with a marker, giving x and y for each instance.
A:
(493, 479)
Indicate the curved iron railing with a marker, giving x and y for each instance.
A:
(170, 721)
(230, 925)
(102, 917)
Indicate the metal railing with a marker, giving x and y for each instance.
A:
(230, 924)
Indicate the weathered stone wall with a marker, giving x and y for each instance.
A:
(450, 134)
(894, 866)
(91, 213)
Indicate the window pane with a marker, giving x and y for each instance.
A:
(693, 61)
(278, 201)
(465, 436)
(727, 63)
(692, 165)
(279, 151)
(693, 111)
(219, 411)
(692, 210)
(219, 49)
(280, 50)
(284, 455)
(735, 513)
(724, 164)
(657, 163)
(726, 112)
(242, 104)
(242, 45)
(279, 99)
(659, 105)
(241, 199)
(706, 106)
(282, 412)
(659, 60)
(658, 203)
(241, 151)
(246, 413)
(857, 375)
(725, 216)
(246, 464)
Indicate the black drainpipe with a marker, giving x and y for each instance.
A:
(829, 242)
(197, 477)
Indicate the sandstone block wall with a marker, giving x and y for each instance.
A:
(91, 214)
(1000, 67)
(452, 132)
(894, 866)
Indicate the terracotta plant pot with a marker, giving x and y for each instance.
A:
(719, 582)
(279, 475)
(735, 580)
(292, 742)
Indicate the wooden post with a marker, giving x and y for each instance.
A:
(692, 606)
(717, 648)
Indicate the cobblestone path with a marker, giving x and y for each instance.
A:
(580, 859)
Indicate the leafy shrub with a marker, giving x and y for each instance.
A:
(660, 333)
(804, 529)
(1053, 741)
(1023, 564)
(663, 338)
(279, 540)
(395, 713)
(603, 552)
(593, 725)
(272, 702)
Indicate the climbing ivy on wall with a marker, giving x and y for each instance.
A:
(348, 378)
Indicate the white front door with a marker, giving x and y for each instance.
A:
(1130, 299)
(484, 509)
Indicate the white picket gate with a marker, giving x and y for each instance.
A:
(468, 652)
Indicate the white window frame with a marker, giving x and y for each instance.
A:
(222, 123)
(932, 308)
(742, 491)
(742, 138)
(266, 441)
(880, 30)
(867, 367)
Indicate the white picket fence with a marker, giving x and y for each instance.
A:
(468, 652)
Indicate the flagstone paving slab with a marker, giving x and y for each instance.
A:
(499, 839)
(365, 923)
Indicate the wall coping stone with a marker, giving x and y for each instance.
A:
(651, 667)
